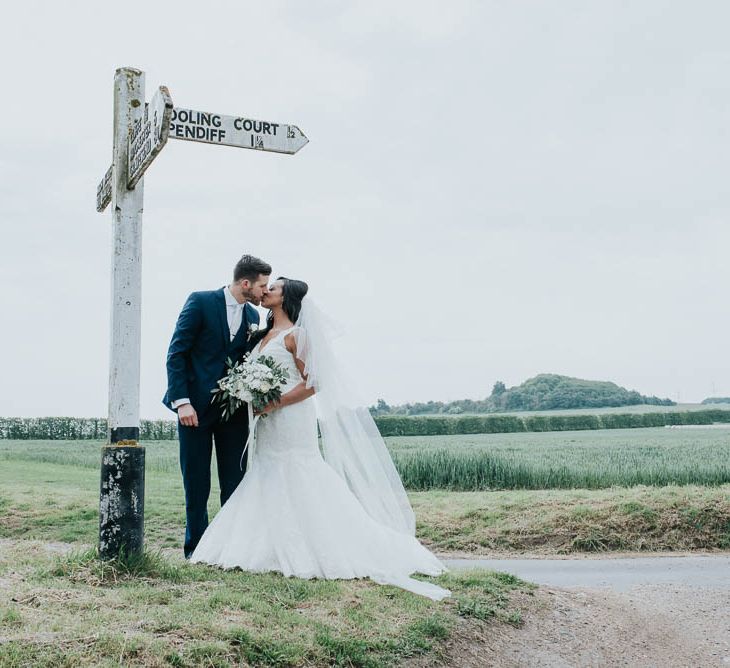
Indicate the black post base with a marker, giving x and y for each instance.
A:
(121, 501)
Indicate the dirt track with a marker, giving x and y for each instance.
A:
(647, 626)
(628, 624)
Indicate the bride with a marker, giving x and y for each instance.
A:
(338, 513)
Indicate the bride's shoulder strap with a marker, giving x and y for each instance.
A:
(290, 344)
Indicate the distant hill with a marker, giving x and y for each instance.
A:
(716, 400)
(546, 391)
(550, 391)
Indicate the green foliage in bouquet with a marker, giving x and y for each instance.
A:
(256, 381)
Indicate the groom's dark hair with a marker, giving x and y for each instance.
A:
(250, 268)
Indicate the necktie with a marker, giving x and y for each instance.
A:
(236, 321)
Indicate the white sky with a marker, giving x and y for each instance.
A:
(491, 190)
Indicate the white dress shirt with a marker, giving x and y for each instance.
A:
(234, 315)
(234, 312)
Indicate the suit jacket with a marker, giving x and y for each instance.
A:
(200, 345)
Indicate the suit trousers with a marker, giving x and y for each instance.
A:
(196, 447)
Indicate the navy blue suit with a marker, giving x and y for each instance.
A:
(196, 360)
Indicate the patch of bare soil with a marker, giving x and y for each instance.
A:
(657, 626)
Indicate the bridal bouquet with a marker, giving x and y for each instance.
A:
(254, 381)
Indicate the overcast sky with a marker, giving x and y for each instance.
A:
(491, 190)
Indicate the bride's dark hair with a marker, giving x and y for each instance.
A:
(293, 291)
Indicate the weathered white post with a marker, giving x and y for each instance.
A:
(121, 516)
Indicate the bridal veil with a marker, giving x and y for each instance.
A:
(351, 442)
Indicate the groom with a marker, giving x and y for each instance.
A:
(213, 326)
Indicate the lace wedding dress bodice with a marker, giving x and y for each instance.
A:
(290, 432)
(292, 513)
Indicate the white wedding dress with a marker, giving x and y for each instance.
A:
(294, 514)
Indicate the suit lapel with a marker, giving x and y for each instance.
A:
(220, 305)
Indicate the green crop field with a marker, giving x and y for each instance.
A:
(565, 460)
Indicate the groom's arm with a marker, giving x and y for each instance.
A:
(187, 328)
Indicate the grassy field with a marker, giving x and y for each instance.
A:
(59, 503)
(49, 491)
(593, 459)
(73, 610)
(61, 608)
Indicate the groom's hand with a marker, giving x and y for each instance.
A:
(188, 416)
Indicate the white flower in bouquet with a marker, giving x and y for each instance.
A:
(257, 382)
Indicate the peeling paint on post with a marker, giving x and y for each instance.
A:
(121, 503)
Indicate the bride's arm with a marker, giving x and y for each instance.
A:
(301, 391)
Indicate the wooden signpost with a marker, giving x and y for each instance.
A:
(141, 131)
